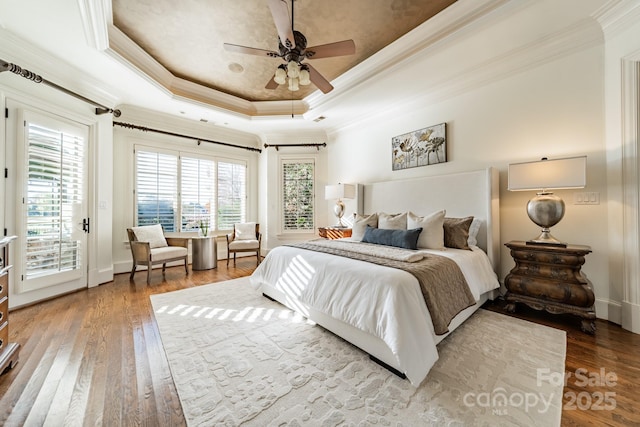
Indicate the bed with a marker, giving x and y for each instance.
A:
(378, 308)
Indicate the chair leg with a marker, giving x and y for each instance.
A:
(228, 256)
(186, 267)
(258, 256)
(234, 259)
(149, 274)
(164, 267)
(133, 271)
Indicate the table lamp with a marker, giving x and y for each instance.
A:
(547, 209)
(339, 192)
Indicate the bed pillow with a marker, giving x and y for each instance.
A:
(360, 224)
(474, 228)
(245, 231)
(456, 232)
(152, 234)
(407, 239)
(392, 222)
(432, 236)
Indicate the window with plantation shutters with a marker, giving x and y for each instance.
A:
(156, 189)
(198, 183)
(298, 195)
(232, 194)
(212, 192)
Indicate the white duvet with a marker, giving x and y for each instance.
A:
(381, 301)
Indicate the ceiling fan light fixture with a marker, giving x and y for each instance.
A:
(293, 84)
(281, 76)
(304, 77)
(293, 69)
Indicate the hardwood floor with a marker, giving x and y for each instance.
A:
(95, 357)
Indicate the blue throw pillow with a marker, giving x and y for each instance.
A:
(407, 239)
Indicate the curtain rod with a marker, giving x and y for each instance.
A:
(277, 146)
(29, 75)
(164, 132)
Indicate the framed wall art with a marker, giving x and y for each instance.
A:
(423, 147)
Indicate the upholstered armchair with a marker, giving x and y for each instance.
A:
(149, 246)
(245, 237)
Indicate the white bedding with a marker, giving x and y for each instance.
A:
(381, 301)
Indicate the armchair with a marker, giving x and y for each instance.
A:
(245, 237)
(149, 246)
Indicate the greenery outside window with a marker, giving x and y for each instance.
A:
(298, 210)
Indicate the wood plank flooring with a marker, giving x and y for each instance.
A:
(94, 357)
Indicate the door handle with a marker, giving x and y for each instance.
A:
(85, 225)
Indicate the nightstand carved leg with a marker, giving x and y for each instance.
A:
(510, 307)
(588, 326)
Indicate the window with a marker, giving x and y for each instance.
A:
(156, 188)
(297, 194)
(232, 194)
(211, 191)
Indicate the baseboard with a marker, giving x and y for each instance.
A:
(631, 317)
(609, 310)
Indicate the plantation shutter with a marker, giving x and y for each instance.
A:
(156, 189)
(55, 183)
(298, 195)
(197, 192)
(232, 196)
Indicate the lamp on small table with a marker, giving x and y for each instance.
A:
(547, 209)
(339, 192)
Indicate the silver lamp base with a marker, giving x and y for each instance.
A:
(546, 210)
(338, 211)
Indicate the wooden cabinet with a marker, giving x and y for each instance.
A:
(8, 351)
(549, 278)
(333, 232)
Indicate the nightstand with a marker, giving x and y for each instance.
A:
(549, 278)
(334, 232)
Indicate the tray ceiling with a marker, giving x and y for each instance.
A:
(187, 37)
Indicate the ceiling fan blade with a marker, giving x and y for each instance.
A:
(272, 84)
(250, 50)
(280, 13)
(318, 80)
(345, 47)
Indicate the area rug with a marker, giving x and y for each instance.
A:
(238, 358)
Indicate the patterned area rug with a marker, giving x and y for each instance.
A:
(238, 358)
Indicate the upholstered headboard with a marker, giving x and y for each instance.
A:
(461, 194)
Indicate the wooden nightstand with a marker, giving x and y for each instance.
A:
(549, 278)
(334, 233)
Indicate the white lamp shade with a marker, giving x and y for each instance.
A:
(555, 174)
(339, 191)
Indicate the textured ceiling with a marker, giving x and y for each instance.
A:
(187, 37)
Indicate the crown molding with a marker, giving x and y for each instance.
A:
(617, 15)
(94, 15)
(24, 54)
(582, 35)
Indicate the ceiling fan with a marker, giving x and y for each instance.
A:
(292, 48)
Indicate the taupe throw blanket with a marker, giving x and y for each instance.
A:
(444, 288)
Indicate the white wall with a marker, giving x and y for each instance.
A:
(553, 108)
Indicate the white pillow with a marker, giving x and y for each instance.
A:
(474, 228)
(360, 225)
(246, 231)
(432, 236)
(152, 234)
(392, 222)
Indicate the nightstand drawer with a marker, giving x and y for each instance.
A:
(4, 285)
(334, 233)
(4, 310)
(4, 335)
